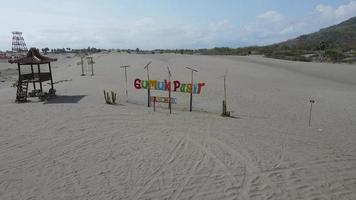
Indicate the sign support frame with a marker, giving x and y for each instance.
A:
(191, 92)
(148, 85)
(127, 93)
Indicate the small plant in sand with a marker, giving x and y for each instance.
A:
(110, 97)
(90, 61)
(14, 83)
(225, 113)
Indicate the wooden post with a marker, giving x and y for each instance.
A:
(52, 91)
(148, 85)
(154, 104)
(39, 77)
(19, 82)
(225, 89)
(191, 92)
(82, 62)
(310, 111)
(34, 84)
(224, 108)
(127, 93)
(191, 95)
(92, 66)
(169, 91)
(50, 72)
(19, 69)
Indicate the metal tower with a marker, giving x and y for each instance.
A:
(18, 43)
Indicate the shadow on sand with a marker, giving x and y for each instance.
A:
(65, 99)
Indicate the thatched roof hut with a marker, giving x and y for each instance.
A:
(33, 57)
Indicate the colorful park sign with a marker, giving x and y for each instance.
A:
(165, 86)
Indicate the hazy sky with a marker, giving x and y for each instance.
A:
(149, 24)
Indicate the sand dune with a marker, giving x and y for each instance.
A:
(77, 147)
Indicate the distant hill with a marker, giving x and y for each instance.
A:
(341, 36)
(333, 44)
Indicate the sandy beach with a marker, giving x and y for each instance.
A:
(75, 146)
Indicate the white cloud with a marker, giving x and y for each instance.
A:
(324, 10)
(145, 33)
(336, 14)
(144, 23)
(149, 32)
(268, 27)
(270, 17)
(272, 26)
(293, 28)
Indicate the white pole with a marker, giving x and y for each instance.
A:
(310, 111)
(191, 92)
(169, 91)
(82, 63)
(127, 93)
(92, 66)
(148, 85)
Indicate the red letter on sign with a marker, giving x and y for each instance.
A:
(138, 84)
(167, 85)
(176, 85)
(200, 85)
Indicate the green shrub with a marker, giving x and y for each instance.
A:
(90, 62)
(334, 55)
(110, 97)
(113, 97)
(14, 83)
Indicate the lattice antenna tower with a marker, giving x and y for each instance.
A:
(18, 43)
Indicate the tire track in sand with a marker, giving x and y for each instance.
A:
(178, 191)
(168, 161)
(254, 171)
(234, 182)
(250, 168)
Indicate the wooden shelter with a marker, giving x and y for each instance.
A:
(30, 71)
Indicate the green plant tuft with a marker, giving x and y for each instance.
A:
(110, 97)
(90, 62)
(225, 113)
(107, 98)
(113, 97)
(14, 84)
